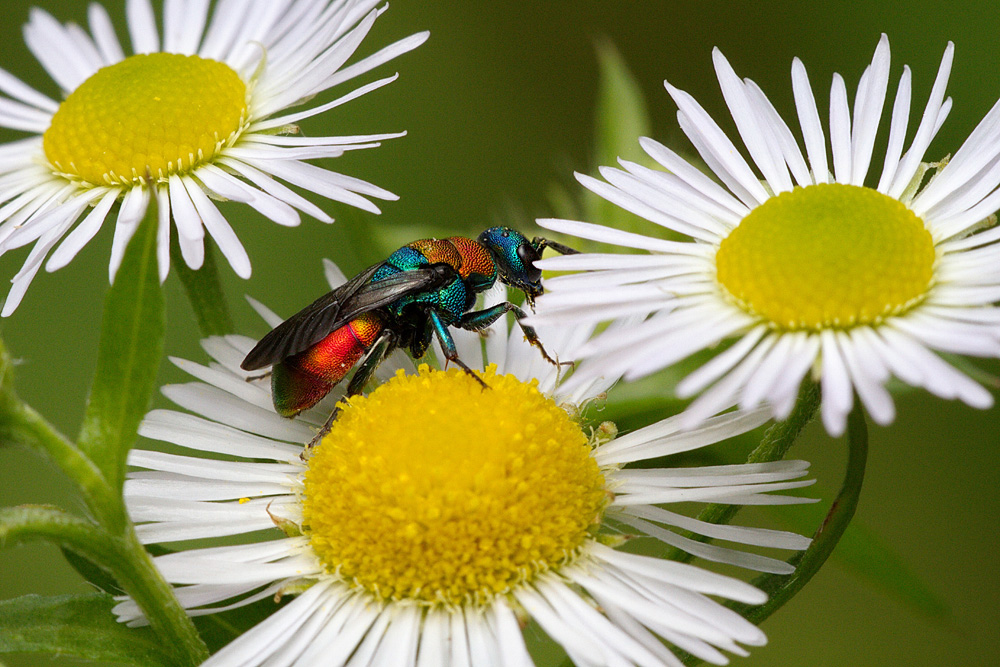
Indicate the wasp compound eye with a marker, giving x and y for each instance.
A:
(526, 253)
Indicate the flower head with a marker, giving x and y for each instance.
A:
(196, 115)
(436, 515)
(852, 276)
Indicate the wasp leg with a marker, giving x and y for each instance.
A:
(448, 345)
(380, 349)
(478, 320)
(540, 244)
(254, 378)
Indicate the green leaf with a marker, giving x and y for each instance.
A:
(34, 522)
(128, 356)
(204, 291)
(219, 629)
(124, 557)
(622, 117)
(93, 573)
(78, 626)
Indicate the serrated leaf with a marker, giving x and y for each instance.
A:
(79, 626)
(128, 356)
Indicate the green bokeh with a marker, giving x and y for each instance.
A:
(498, 106)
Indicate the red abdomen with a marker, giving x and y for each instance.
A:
(300, 381)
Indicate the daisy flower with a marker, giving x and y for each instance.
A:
(436, 519)
(200, 113)
(850, 276)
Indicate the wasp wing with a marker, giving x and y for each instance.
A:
(333, 310)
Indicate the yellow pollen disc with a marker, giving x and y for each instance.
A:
(153, 115)
(828, 255)
(435, 490)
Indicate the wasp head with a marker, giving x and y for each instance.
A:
(515, 257)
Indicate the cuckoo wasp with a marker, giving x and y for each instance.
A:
(416, 293)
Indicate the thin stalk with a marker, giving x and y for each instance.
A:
(204, 292)
(138, 575)
(773, 447)
(21, 424)
(782, 588)
(124, 557)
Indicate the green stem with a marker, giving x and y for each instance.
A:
(124, 557)
(773, 447)
(782, 588)
(204, 291)
(21, 424)
(138, 575)
(31, 522)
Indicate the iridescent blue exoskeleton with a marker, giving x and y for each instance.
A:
(418, 292)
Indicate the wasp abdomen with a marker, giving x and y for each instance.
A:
(301, 380)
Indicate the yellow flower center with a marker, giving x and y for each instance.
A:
(435, 490)
(147, 117)
(828, 255)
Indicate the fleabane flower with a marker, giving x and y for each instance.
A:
(850, 276)
(200, 113)
(437, 518)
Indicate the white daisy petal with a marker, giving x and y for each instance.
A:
(22, 92)
(897, 130)
(791, 153)
(222, 29)
(142, 26)
(51, 44)
(84, 231)
(190, 232)
(757, 303)
(752, 133)
(868, 112)
(382, 56)
(840, 130)
(692, 176)
(513, 652)
(272, 632)
(16, 116)
(104, 34)
(224, 236)
(604, 606)
(338, 639)
(130, 214)
(927, 128)
(714, 146)
(812, 128)
(282, 52)
(163, 232)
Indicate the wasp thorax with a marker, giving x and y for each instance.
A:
(433, 490)
(150, 115)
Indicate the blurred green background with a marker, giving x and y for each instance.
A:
(499, 106)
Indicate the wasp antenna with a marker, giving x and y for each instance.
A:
(541, 244)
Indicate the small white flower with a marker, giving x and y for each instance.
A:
(437, 517)
(194, 115)
(805, 271)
